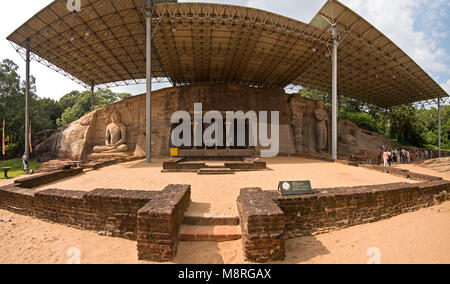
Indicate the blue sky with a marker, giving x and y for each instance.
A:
(420, 27)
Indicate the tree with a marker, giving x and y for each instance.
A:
(429, 118)
(408, 124)
(405, 125)
(45, 113)
(315, 95)
(76, 104)
(12, 107)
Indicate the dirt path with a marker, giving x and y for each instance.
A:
(435, 167)
(419, 237)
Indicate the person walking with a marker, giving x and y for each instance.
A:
(385, 158)
(390, 157)
(25, 162)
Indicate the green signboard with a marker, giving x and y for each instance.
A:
(295, 187)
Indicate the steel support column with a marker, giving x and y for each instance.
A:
(92, 96)
(148, 128)
(27, 102)
(334, 114)
(439, 127)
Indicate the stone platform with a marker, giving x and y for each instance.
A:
(101, 156)
(213, 165)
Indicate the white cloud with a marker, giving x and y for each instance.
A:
(400, 19)
(446, 86)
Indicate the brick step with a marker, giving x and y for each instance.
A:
(210, 233)
(215, 171)
(210, 219)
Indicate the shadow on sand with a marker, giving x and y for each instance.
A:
(200, 207)
(142, 164)
(300, 250)
(304, 249)
(199, 253)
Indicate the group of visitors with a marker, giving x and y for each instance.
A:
(390, 157)
(424, 155)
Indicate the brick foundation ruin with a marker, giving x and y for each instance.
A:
(262, 223)
(263, 213)
(154, 217)
(267, 219)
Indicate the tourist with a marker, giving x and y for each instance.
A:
(427, 155)
(390, 158)
(408, 155)
(25, 162)
(403, 156)
(385, 158)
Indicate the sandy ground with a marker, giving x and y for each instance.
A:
(418, 237)
(441, 165)
(8, 181)
(435, 167)
(218, 193)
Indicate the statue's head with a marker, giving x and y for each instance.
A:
(115, 116)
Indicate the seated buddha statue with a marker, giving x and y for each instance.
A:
(115, 136)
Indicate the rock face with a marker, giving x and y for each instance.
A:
(304, 124)
(311, 126)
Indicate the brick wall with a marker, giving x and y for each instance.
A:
(336, 208)
(262, 224)
(17, 200)
(159, 224)
(113, 211)
(46, 178)
(401, 173)
(268, 218)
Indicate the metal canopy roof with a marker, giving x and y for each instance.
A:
(371, 67)
(197, 42)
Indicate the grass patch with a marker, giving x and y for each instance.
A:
(16, 166)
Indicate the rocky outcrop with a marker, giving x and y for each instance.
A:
(303, 122)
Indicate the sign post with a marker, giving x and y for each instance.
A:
(295, 187)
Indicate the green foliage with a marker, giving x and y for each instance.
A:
(405, 125)
(16, 167)
(362, 119)
(315, 95)
(76, 104)
(428, 118)
(12, 104)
